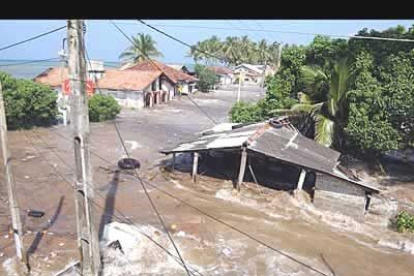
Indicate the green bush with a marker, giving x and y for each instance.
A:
(404, 222)
(207, 78)
(103, 108)
(243, 112)
(27, 103)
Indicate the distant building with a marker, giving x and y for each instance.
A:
(224, 74)
(253, 74)
(137, 88)
(180, 80)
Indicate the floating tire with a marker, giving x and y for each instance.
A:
(129, 164)
(275, 124)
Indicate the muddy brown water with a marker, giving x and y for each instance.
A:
(304, 240)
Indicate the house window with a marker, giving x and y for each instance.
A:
(154, 86)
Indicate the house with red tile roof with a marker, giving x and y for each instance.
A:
(136, 88)
(180, 79)
(131, 88)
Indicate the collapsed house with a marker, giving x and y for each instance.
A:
(277, 144)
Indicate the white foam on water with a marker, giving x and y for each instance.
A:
(140, 254)
(8, 266)
(403, 245)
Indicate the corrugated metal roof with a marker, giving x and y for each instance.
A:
(282, 143)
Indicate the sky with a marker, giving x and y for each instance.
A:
(105, 42)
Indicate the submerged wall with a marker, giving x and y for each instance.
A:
(335, 195)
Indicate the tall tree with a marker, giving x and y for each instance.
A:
(327, 105)
(144, 47)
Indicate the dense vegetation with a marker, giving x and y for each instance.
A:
(404, 222)
(103, 108)
(356, 94)
(207, 78)
(27, 103)
(234, 51)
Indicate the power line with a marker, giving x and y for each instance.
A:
(156, 65)
(31, 38)
(182, 42)
(28, 62)
(143, 185)
(151, 202)
(73, 187)
(289, 32)
(208, 215)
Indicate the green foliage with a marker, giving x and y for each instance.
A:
(27, 103)
(207, 78)
(234, 51)
(243, 112)
(144, 47)
(368, 128)
(358, 94)
(103, 108)
(404, 222)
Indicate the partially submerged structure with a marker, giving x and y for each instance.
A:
(278, 142)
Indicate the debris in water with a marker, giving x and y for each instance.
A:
(116, 245)
(61, 244)
(1, 255)
(6, 236)
(26, 177)
(129, 164)
(35, 214)
(226, 251)
(181, 234)
(173, 227)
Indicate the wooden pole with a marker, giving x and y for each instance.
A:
(11, 189)
(301, 179)
(87, 235)
(243, 162)
(195, 166)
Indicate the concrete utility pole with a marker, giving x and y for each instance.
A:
(87, 235)
(8, 175)
(241, 75)
(264, 74)
(279, 56)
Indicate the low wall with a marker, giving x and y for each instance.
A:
(339, 196)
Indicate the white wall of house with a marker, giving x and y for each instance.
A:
(168, 86)
(127, 99)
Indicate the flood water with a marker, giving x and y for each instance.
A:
(259, 231)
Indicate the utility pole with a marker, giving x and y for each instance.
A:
(264, 74)
(11, 189)
(241, 75)
(279, 56)
(87, 235)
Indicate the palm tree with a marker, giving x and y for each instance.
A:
(231, 50)
(207, 50)
(325, 100)
(144, 47)
(263, 53)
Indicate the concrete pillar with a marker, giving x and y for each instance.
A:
(301, 180)
(195, 166)
(243, 162)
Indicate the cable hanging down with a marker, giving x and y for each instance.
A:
(145, 189)
(121, 217)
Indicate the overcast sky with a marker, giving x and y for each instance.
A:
(104, 42)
